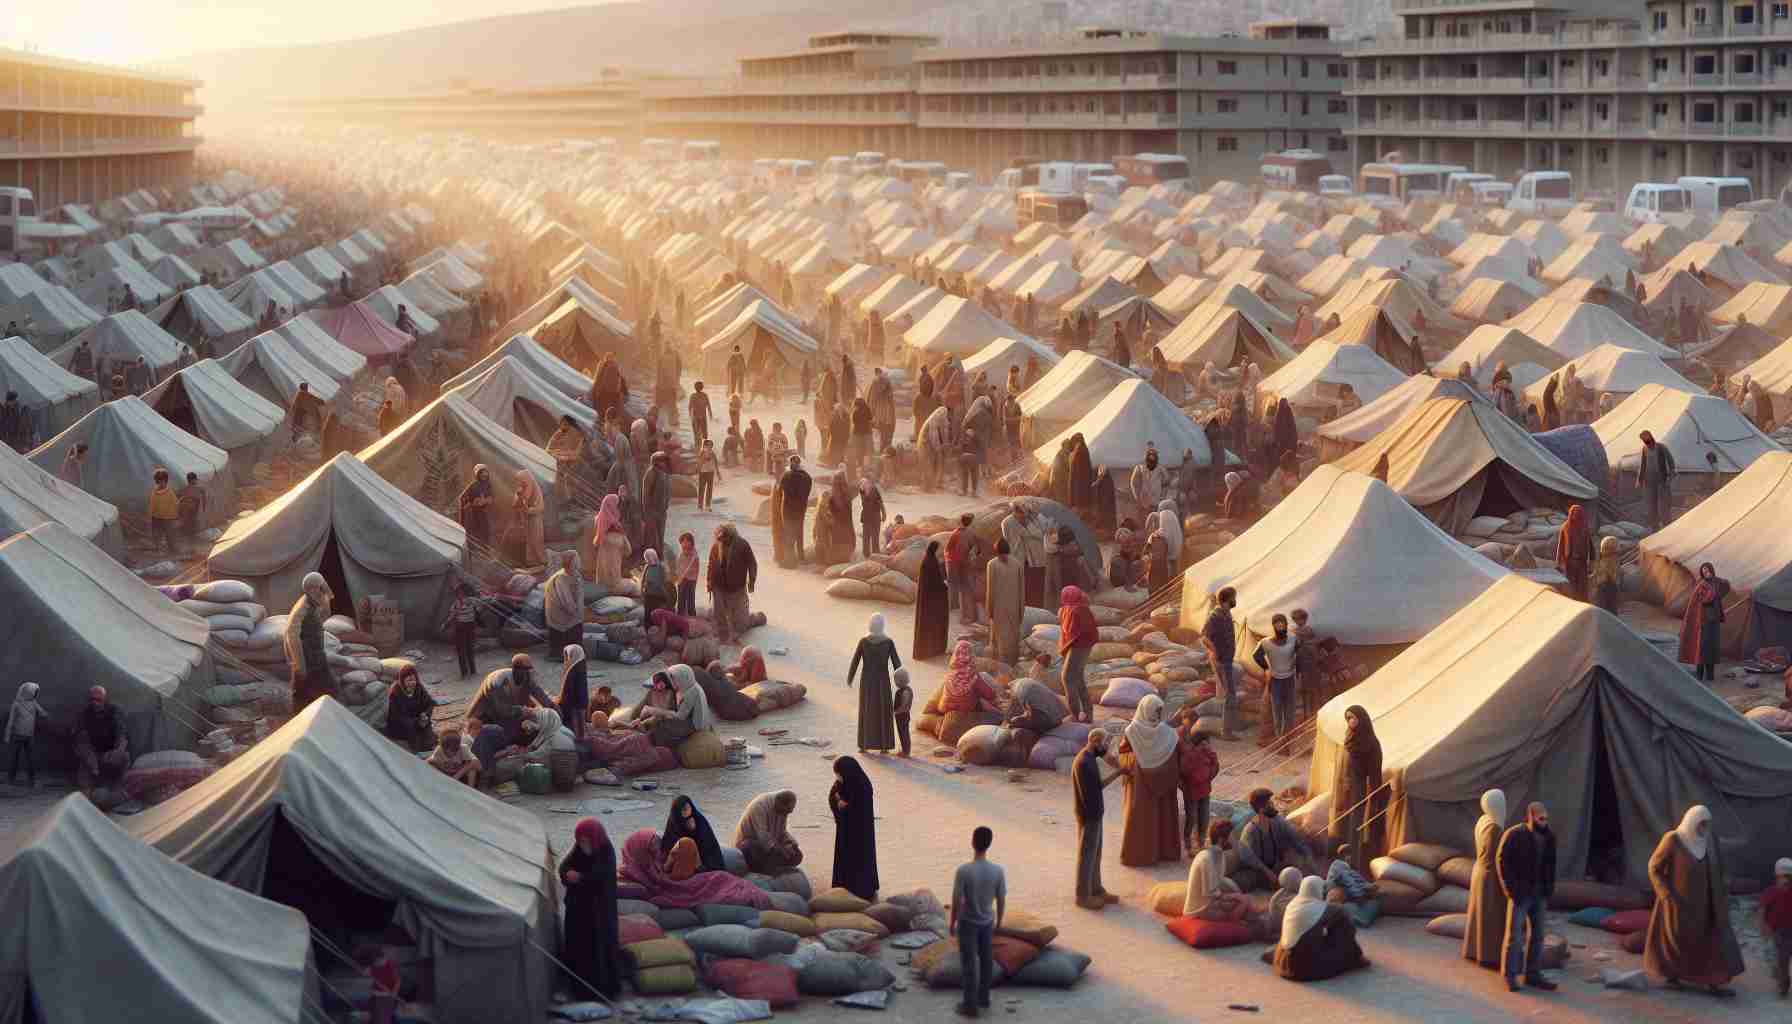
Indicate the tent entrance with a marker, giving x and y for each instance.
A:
(342, 602)
(1605, 833)
(534, 422)
(177, 409)
(1496, 498)
(297, 877)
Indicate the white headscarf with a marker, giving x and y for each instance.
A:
(1171, 528)
(1782, 867)
(573, 653)
(313, 581)
(1153, 741)
(1204, 878)
(875, 626)
(547, 726)
(684, 681)
(1696, 844)
(1304, 911)
(1493, 805)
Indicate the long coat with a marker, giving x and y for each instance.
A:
(1005, 587)
(877, 727)
(1689, 937)
(1485, 937)
(1151, 833)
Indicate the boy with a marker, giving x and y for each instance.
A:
(605, 701)
(1197, 765)
(1776, 916)
(164, 512)
(902, 706)
(192, 502)
(463, 621)
(1306, 664)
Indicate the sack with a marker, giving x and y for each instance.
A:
(1624, 922)
(1052, 968)
(981, 745)
(671, 980)
(1126, 693)
(841, 974)
(633, 928)
(1024, 926)
(748, 979)
(1396, 897)
(1572, 895)
(892, 917)
(1591, 917)
(857, 921)
(1449, 926)
(1168, 898)
(1429, 856)
(794, 924)
(722, 913)
(224, 592)
(1457, 871)
(838, 901)
(1416, 877)
(1450, 899)
(849, 940)
(658, 953)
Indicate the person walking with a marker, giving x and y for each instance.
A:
(1077, 636)
(979, 901)
(1701, 626)
(1087, 782)
(701, 411)
(1527, 870)
(1655, 474)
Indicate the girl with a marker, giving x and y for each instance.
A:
(689, 562)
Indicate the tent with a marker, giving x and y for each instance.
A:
(453, 312)
(1050, 285)
(1728, 267)
(30, 497)
(722, 310)
(307, 294)
(1763, 305)
(203, 313)
(17, 281)
(1345, 434)
(1238, 296)
(271, 368)
(582, 332)
(322, 268)
(888, 297)
(1735, 346)
(1594, 256)
(520, 401)
(126, 442)
(1611, 369)
(1315, 378)
(1334, 539)
(1668, 289)
(207, 401)
(1183, 295)
(1384, 332)
(1224, 336)
(134, 285)
(50, 315)
(1585, 289)
(254, 294)
(1489, 345)
(996, 357)
(1692, 425)
(914, 310)
(76, 618)
(956, 326)
(1068, 390)
(1574, 329)
(365, 535)
(1118, 427)
(1555, 700)
(766, 337)
(53, 396)
(176, 945)
(388, 302)
(334, 819)
(857, 281)
(176, 273)
(1098, 296)
(1454, 459)
(361, 330)
(119, 340)
(308, 338)
(552, 370)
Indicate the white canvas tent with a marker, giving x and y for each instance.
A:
(126, 442)
(1118, 427)
(552, 370)
(996, 357)
(1489, 345)
(54, 397)
(1692, 426)
(1225, 336)
(310, 340)
(956, 326)
(203, 313)
(119, 340)
(433, 454)
(1611, 369)
(1345, 434)
(767, 339)
(30, 497)
(1067, 391)
(516, 398)
(1574, 329)
(1314, 379)
(50, 315)
(207, 401)
(270, 367)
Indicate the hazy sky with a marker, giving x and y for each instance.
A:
(135, 31)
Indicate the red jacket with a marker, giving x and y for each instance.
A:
(1076, 628)
(1198, 763)
(1776, 907)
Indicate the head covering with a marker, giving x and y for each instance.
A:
(312, 581)
(27, 691)
(875, 625)
(1783, 866)
(1233, 480)
(650, 557)
(609, 516)
(573, 653)
(1170, 527)
(763, 821)
(751, 668)
(1304, 911)
(1688, 831)
(592, 830)
(547, 725)
(1361, 736)
(684, 681)
(563, 599)
(1152, 739)
(1605, 570)
(1289, 880)
(1073, 596)
(1493, 805)
(961, 674)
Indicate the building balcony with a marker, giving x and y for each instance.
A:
(792, 85)
(1058, 83)
(33, 102)
(812, 117)
(97, 147)
(1061, 120)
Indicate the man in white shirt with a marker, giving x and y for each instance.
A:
(1275, 656)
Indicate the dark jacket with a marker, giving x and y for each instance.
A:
(1527, 863)
(732, 566)
(795, 485)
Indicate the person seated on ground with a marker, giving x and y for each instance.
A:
(763, 834)
(533, 745)
(1033, 705)
(965, 689)
(680, 861)
(1344, 884)
(1269, 844)
(1211, 895)
(889, 541)
(1270, 924)
(102, 750)
(604, 700)
(686, 824)
(671, 624)
(1318, 939)
(748, 670)
(452, 758)
(624, 752)
(409, 708)
(643, 864)
(669, 723)
(503, 699)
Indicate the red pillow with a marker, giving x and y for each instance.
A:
(1012, 953)
(632, 928)
(1634, 942)
(754, 979)
(1626, 921)
(1209, 934)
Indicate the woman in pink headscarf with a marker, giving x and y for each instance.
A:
(966, 689)
(643, 865)
(592, 947)
(610, 546)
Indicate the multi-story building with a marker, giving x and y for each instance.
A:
(1615, 92)
(609, 107)
(1089, 96)
(73, 132)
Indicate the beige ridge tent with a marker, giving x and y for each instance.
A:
(1336, 538)
(1612, 369)
(1692, 425)
(1763, 305)
(1383, 331)
(127, 442)
(1667, 289)
(552, 370)
(516, 398)
(857, 281)
(1118, 427)
(1068, 390)
(177, 946)
(1572, 330)
(766, 337)
(1585, 289)
(1314, 379)
(337, 821)
(207, 401)
(1224, 336)
(273, 369)
(1183, 295)
(1773, 372)
(582, 332)
(572, 290)
(309, 339)
(1454, 459)
(1735, 346)
(956, 326)
(1489, 345)
(996, 357)
(1554, 700)
(887, 298)
(1730, 267)
(1350, 431)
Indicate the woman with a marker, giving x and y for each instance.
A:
(690, 715)
(563, 604)
(409, 708)
(656, 584)
(1284, 437)
(684, 821)
(1077, 636)
(855, 830)
(1605, 575)
(395, 393)
(475, 504)
(1157, 562)
(763, 834)
(877, 652)
(644, 865)
(575, 690)
(591, 950)
(932, 607)
(965, 689)
(1690, 940)
(748, 670)
(1702, 624)
(839, 435)
(529, 507)
(1082, 476)
(1484, 939)
(1318, 938)
(1148, 758)
(1269, 926)
(837, 546)
(1357, 824)
(610, 546)
(1171, 527)
(1066, 567)
(1574, 552)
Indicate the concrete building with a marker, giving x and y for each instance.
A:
(73, 132)
(1614, 92)
(1091, 95)
(608, 107)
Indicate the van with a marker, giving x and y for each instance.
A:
(1296, 170)
(1491, 194)
(1402, 183)
(1715, 195)
(1148, 169)
(837, 165)
(918, 172)
(1058, 209)
(869, 162)
(1011, 180)
(1105, 185)
(800, 172)
(17, 207)
(1335, 185)
(959, 179)
(1081, 173)
(1547, 193)
(1458, 187)
(1650, 202)
(1057, 176)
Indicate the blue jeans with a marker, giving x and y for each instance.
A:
(1525, 914)
(1225, 672)
(1281, 704)
(976, 961)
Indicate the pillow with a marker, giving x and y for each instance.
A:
(838, 901)
(1126, 693)
(1389, 869)
(943, 969)
(1074, 733)
(921, 901)
(1052, 968)
(1450, 926)
(792, 923)
(670, 980)
(1011, 954)
(703, 749)
(633, 928)
(1168, 898)
(925, 959)
(849, 940)
(1624, 922)
(676, 918)
(626, 905)
(827, 922)
(1024, 926)
(1045, 753)
(1591, 917)
(842, 974)
(753, 979)
(1634, 942)
(1429, 856)
(725, 940)
(721, 913)
(891, 916)
(661, 952)
(1209, 934)
(1457, 871)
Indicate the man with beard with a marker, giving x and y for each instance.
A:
(1527, 870)
(1148, 480)
(1268, 845)
(1026, 539)
(733, 573)
(793, 489)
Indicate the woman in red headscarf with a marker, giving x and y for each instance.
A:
(1077, 635)
(1702, 625)
(1574, 552)
(591, 949)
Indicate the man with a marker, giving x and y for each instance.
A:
(871, 516)
(164, 511)
(304, 642)
(1148, 481)
(737, 371)
(700, 412)
(15, 425)
(567, 447)
(793, 488)
(81, 363)
(192, 502)
(306, 413)
(138, 377)
(1655, 475)
(404, 321)
(1026, 539)
(1004, 585)
(881, 396)
(503, 696)
(1526, 864)
(732, 574)
(656, 502)
(1033, 706)
(1220, 640)
(102, 751)
(1086, 784)
(961, 561)
(1268, 845)
(979, 899)
(1275, 656)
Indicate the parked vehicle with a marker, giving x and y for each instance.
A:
(1715, 195)
(1295, 170)
(1547, 193)
(1651, 201)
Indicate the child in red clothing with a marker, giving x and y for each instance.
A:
(1776, 915)
(382, 969)
(1197, 764)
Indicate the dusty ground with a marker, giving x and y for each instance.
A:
(926, 815)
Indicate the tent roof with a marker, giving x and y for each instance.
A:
(228, 414)
(1117, 428)
(1489, 345)
(1072, 387)
(30, 497)
(725, 308)
(1741, 528)
(1735, 346)
(18, 280)
(1440, 445)
(495, 389)
(124, 336)
(996, 357)
(956, 326)
(359, 329)
(206, 308)
(1224, 336)
(1690, 424)
(399, 457)
(596, 330)
(545, 365)
(1732, 267)
(36, 377)
(1050, 284)
(321, 266)
(283, 366)
(126, 442)
(1238, 296)
(55, 310)
(308, 338)
(1768, 306)
(177, 945)
(1364, 424)
(1328, 363)
(1333, 539)
(251, 295)
(1667, 288)
(431, 297)
(1615, 369)
(891, 295)
(856, 281)
(384, 303)
(762, 315)
(1096, 297)
(1574, 329)
(296, 284)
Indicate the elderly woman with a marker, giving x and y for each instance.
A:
(657, 591)
(763, 834)
(563, 604)
(304, 643)
(689, 713)
(1690, 940)
(575, 690)
(1147, 757)
(624, 752)
(1318, 938)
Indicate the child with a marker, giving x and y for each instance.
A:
(890, 530)
(1306, 664)
(707, 472)
(21, 728)
(802, 437)
(1197, 765)
(1776, 915)
(192, 502)
(734, 413)
(605, 701)
(164, 512)
(378, 964)
(904, 702)
(687, 567)
(731, 448)
(463, 622)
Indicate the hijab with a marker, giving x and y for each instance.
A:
(481, 487)
(528, 493)
(564, 599)
(961, 675)
(650, 557)
(691, 695)
(1304, 911)
(592, 830)
(574, 689)
(751, 668)
(1286, 436)
(1576, 540)
(933, 575)
(1152, 739)
(764, 821)
(609, 516)
(1361, 745)
(1605, 570)
(709, 852)
(1170, 527)
(875, 626)
(547, 725)
(1493, 807)
(1688, 830)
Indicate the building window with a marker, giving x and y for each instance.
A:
(1699, 14)
(1336, 145)
(1661, 65)
(1602, 67)
(1228, 67)
(1745, 160)
(1603, 155)
(1659, 21)
(1704, 113)
(1303, 67)
(1089, 106)
(1780, 12)
(1704, 64)
(1227, 106)
(1743, 113)
(1660, 153)
(1661, 110)
(1342, 70)
(1337, 106)
(1227, 144)
(1744, 15)
(1781, 58)
(1780, 108)
(1744, 64)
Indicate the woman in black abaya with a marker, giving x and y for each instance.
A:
(588, 873)
(855, 830)
(932, 611)
(684, 821)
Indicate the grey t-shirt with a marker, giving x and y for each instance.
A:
(976, 889)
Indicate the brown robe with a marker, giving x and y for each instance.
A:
(1151, 832)
(1484, 939)
(1004, 595)
(1689, 935)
